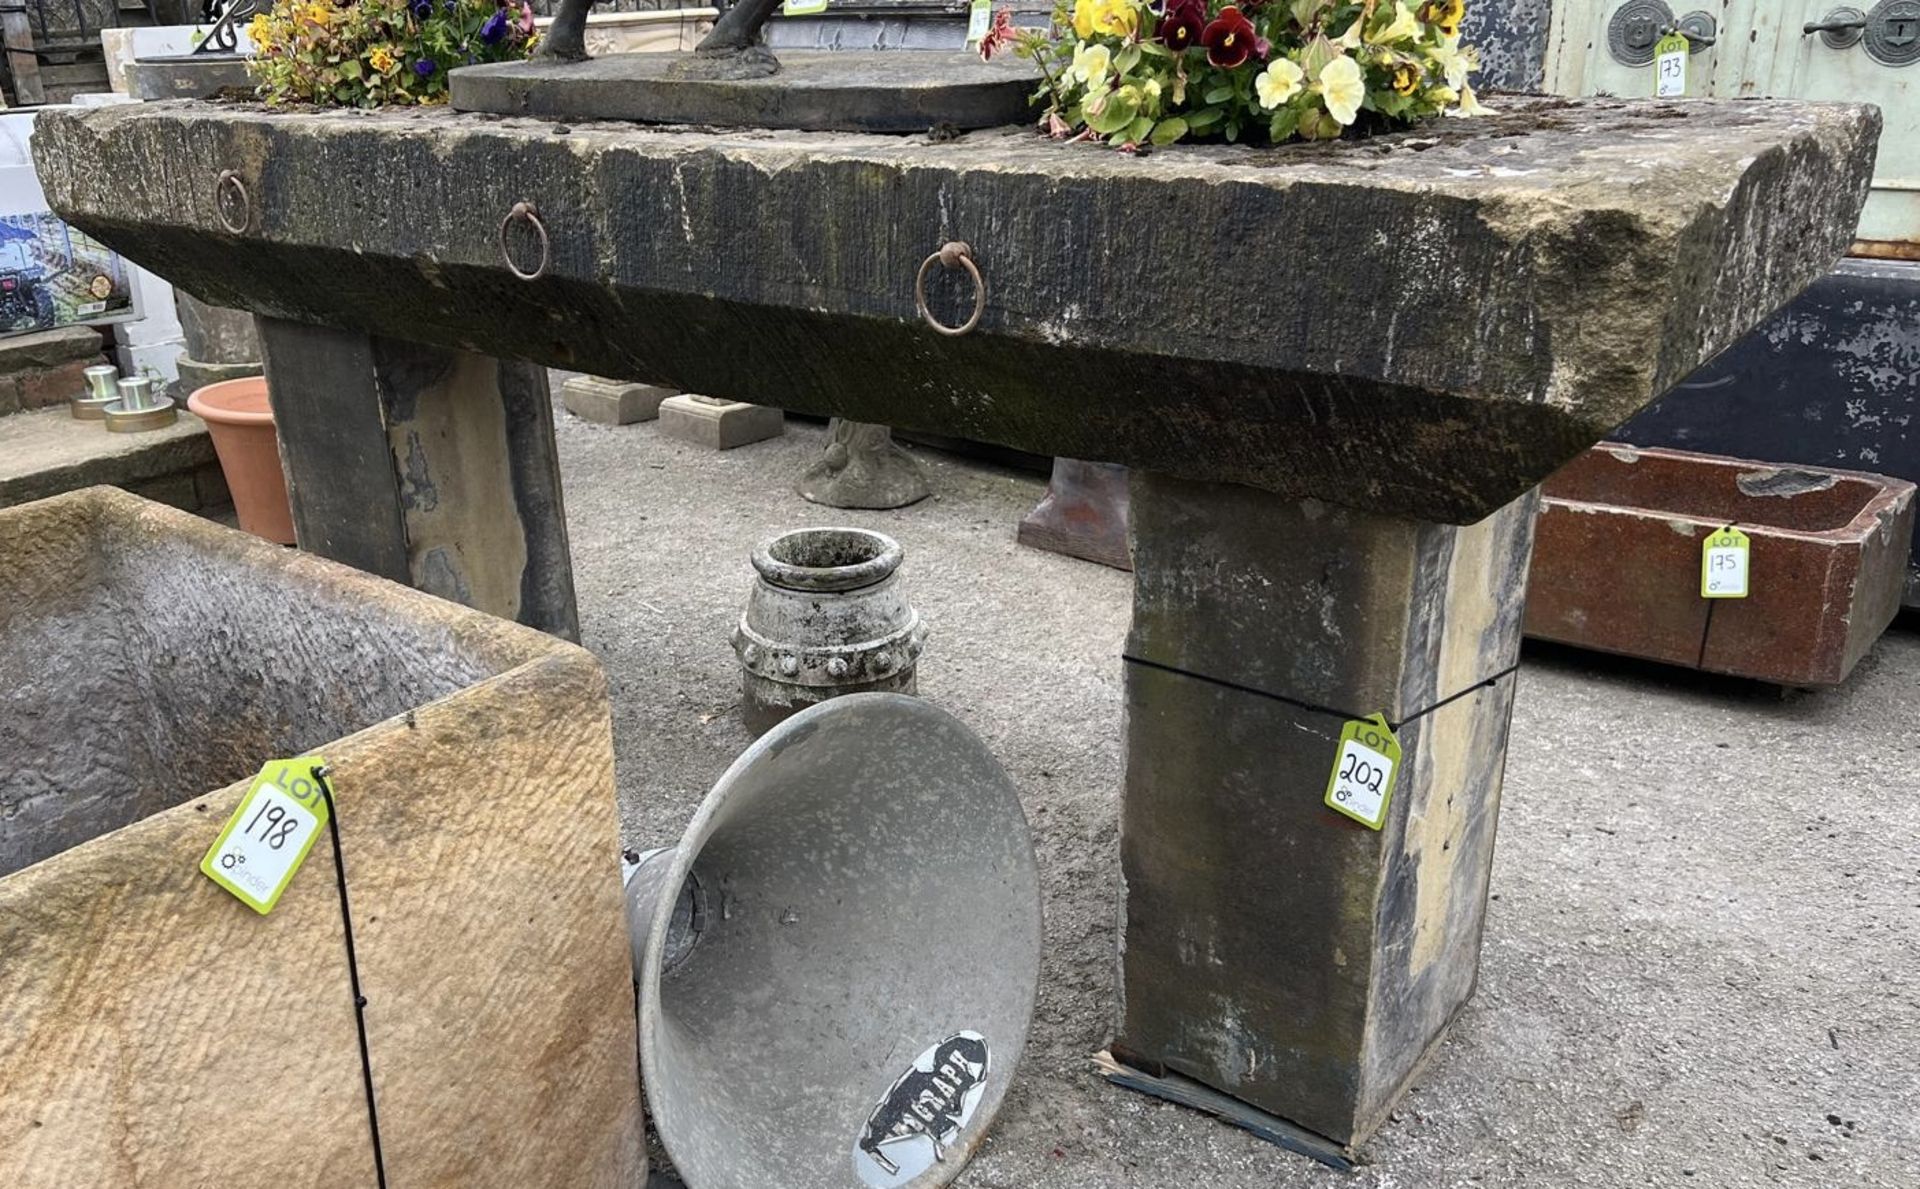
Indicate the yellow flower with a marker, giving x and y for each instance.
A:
(1279, 82)
(1403, 28)
(1343, 88)
(1446, 15)
(319, 12)
(1453, 64)
(382, 59)
(1406, 77)
(1090, 64)
(1470, 105)
(258, 30)
(1117, 18)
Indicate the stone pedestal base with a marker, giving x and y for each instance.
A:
(612, 402)
(719, 424)
(862, 468)
(1276, 950)
(1084, 514)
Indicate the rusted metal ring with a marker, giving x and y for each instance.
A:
(951, 255)
(231, 192)
(526, 211)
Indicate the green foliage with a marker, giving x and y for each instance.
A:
(370, 53)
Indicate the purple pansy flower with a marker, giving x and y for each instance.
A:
(424, 68)
(495, 28)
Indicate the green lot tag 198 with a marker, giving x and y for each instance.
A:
(1363, 771)
(1724, 572)
(269, 835)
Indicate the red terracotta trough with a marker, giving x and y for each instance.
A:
(1617, 563)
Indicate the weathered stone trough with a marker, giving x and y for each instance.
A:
(154, 1031)
(1617, 563)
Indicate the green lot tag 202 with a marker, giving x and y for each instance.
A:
(1362, 780)
(269, 835)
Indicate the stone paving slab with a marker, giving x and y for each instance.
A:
(47, 452)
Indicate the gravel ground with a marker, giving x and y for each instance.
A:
(1700, 964)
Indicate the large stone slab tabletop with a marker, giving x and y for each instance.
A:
(1423, 324)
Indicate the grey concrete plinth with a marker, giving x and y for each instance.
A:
(1508, 288)
(196, 374)
(611, 402)
(188, 76)
(863, 468)
(719, 424)
(848, 91)
(434, 468)
(1274, 949)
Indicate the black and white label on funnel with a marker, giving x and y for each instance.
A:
(924, 1113)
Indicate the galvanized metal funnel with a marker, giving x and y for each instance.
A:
(837, 965)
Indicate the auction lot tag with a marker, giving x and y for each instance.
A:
(1670, 66)
(979, 20)
(269, 835)
(1723, 565)
(1363, 773)
(803, 8)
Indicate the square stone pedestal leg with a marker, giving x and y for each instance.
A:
(612, 402)
(719, 424)
(431, 467)
(1275, 950)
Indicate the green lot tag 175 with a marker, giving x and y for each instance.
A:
(268, 837)
(1724, 573)
(1363, 771)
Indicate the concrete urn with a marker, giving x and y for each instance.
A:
(827, 616)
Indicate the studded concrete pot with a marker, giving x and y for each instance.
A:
(826, 617)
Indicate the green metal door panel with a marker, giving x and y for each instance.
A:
(1762, 49)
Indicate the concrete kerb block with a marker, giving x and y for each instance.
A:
(719, 424)
(612, 402)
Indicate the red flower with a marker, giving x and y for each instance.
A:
(1229, 39)
(999, 36)
(1182, 24)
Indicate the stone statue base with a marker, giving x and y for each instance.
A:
(843, 91)
(862, 468)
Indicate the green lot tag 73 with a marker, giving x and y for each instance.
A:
(1363, 771)
(1723, 565)
(268, 837)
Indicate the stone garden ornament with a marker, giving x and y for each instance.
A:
(827, 616)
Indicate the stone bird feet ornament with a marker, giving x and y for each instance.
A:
(732, 50)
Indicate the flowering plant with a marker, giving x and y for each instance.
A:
(1133, 72)
(365, 53)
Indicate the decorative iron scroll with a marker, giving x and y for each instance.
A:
(227, 17)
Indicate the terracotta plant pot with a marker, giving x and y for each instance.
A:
(241, 425)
